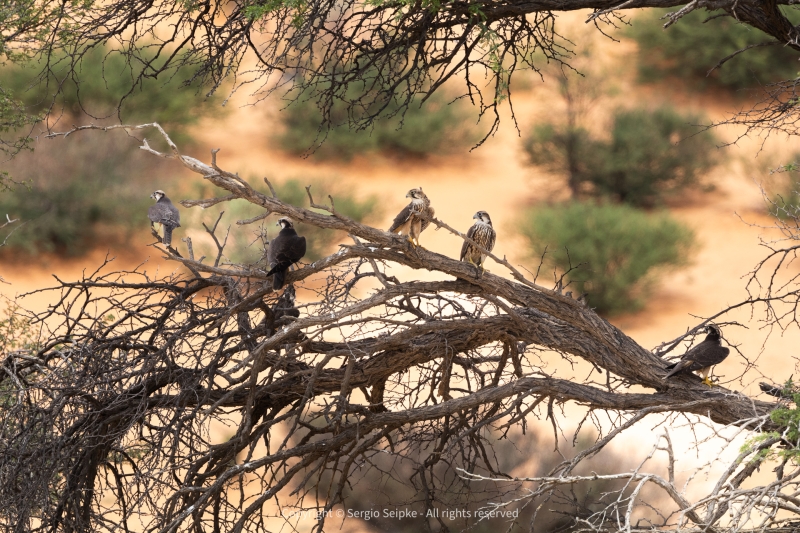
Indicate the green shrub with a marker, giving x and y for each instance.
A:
(247, 247)
(79, 191)
(787, 418)
(438, 126)
(650, 155)
(102, 78)
(785, 204)
(690, 48)
(619, 249)
(565, 150)
(88, 188)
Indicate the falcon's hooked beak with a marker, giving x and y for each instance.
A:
(477, 215)
(410, 193)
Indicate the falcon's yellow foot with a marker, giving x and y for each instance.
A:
(478, 269)
(708, 382)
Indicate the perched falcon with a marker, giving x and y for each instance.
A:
(702, 357)
(408, 221)
(284, 250)
(164, 215)
(482, 233)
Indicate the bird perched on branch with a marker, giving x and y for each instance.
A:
(702, 357)
(284, 250)
(408, 222)
(482, 233)
(164, 215)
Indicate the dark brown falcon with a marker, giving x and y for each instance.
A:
(482, 233)
(702, 357)
(408, 222)
(284, 250)
(164, 215)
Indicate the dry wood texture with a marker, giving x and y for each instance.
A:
(107, 408)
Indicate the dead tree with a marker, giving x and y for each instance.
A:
(114, 397)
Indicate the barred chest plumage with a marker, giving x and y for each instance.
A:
(484, 235)
(419, 204)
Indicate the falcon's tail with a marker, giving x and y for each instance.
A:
(677, 368)
(278, 277)
(167, 235)
(283, 265)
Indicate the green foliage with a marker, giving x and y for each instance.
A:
(435, 127)
(788, 420)
(16, 330)
(78, 191)
(102, 79)
(650, 155)
(298, 8)
(610, 251)
(248, 247)
(86, 187)
(565, 150)
(690, 48)
(785, 204)
(13, 117)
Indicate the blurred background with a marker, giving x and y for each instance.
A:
(610, 178)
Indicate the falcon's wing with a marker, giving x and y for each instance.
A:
(297, 249)
(174, 215)
(706, 356)
(675, 368)
(154, 214)
(465, 245)
(401, 218)
(272, 251)
(286, 250)
(164, 214)
(425, 223)
(492, 238)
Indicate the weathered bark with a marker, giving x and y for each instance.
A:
(117, 396)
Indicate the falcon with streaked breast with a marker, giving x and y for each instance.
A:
(164, 215)
(408, 222)
(702, 357)
(482, 233)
